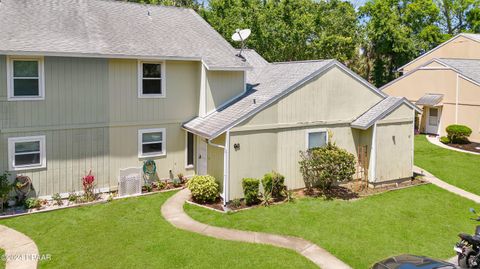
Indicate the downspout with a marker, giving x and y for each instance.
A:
(225, 164)
(456, 99)
(373, 159)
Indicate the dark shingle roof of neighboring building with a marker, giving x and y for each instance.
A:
(99, 28)
(470, 68)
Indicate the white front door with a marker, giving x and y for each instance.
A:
(433, 120)
(201, 156)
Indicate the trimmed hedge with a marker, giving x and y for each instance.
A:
(444, 140)
(274, 183)
(458, 133)
(251, 190)
(204, 188)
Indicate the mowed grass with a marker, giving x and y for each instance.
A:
(457, 168)
(131, 233)
(2, 262)
(422, 220)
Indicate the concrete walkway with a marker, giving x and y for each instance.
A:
(172, 211)
(20, 251)
(436, 141)
(444, 185)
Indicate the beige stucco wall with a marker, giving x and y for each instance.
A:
(422, 81)
(273, 138)
(460, 47)
(222, 86)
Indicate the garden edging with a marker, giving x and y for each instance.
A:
(172, 211)
(435, 141)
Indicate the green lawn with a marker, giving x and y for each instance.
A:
(419, 220)
(131, 233)
(457, 168)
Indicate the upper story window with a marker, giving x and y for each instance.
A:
(151, 79)
(151, 142)
(25, 78)
(26, 153)
(316, 138)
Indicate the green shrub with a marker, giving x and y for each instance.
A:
(325, 166)
(33, 203)
(235, 203)
(458, 133)
(204, 188)
(5, 188)
(161, 184)
(73, 197)
(57, 198)
(251, 190)
(445, 140)
(274, 183)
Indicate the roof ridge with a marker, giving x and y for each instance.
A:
(303, 61)
(143, 4)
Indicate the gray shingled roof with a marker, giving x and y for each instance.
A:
(266, 82)
(377, 112)
(100, 28)
(430, 99)
(467, 67)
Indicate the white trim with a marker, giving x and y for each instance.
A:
(11, 153)
(41, 78)
(163, 141)
(189, 166)
(123, 56)
(140, 79)
(400, 69)
(317, 130)
(373, 156)
(226, 169)
(456, 98)
(202, 106)
(413, 137)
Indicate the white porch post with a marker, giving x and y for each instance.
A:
(226, 167)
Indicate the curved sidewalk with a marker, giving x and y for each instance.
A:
(444, 185)
(20, 251)
(172, 211)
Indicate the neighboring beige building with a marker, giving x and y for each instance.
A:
(129, 82)
(446, 83)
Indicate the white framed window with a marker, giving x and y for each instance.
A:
(151, 142)
(26, 153)
(316, 138)
(25, 78)
(151, 79)
(189, 150)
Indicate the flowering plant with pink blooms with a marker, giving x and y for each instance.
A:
(88, 183)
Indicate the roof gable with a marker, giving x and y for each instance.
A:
(472, 37)
(105, 28)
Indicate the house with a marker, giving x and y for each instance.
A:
(105, 85)
(446, 83)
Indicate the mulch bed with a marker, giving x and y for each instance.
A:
(348, 191)
(472, 146)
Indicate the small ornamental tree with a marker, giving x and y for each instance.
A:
(323, 167)
(458, 133)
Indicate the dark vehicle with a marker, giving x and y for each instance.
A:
(407, 261)
(468, 249)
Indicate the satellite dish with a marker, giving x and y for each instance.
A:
(241, 36)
